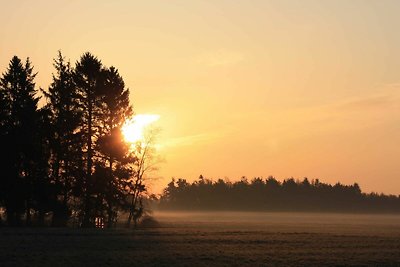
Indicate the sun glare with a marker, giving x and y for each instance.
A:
(134, 129)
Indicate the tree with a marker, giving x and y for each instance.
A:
(5, 163)
(20, 122)
(89, 79)
(111, 145)
(68, 157)
(104, 102)
(145, 162)
(65, 117)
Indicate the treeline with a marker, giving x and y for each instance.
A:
(66, 160)
(272, 195)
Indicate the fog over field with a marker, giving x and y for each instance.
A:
(214, 238)
(334, 223)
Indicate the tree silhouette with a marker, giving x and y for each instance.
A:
(89, 80)
(272, 195)
(145, 162)
(20, 122)
(65, 116)
(111, 145)
(69, 158)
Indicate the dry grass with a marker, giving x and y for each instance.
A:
(218, 239)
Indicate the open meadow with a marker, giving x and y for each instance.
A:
(218, 239)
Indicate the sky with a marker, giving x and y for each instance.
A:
(243, 88)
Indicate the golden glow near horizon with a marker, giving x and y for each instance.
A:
(256, 88)
(135, 128)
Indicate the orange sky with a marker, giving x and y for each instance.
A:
(254, 88)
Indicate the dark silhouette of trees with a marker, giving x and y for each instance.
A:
(67, 159)
(23, 155)
(89, 81)
(65, 142)
(115, 154)
(272, 195)
(105, 106)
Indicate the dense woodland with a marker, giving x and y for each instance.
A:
(272, 195)
(66, 159)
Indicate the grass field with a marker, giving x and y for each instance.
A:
(214, 239)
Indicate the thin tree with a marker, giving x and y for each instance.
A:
(145, 163)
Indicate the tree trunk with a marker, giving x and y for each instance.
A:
(87, 206)
(28, 219)
(41, 218)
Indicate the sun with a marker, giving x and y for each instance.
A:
(134, 129)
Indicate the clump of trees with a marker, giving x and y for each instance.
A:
(272, 195)
(68, 157)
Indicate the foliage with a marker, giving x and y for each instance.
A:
(67, 158)
(145, 163)
(23, 154)
(273, 195)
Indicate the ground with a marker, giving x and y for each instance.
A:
(214, 239)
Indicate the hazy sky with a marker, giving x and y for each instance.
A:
(254, 88)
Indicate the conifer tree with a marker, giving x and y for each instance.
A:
(20, 124)
(111, 145)
(65, 142)
(89, 80)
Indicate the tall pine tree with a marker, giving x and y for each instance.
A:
(89, 80)
(114, 166)
(65, 142)
(20, 122)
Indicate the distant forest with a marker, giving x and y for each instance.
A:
(272, 195)
(66, 161)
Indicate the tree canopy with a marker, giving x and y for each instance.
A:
(272, 195)
(67, 158)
